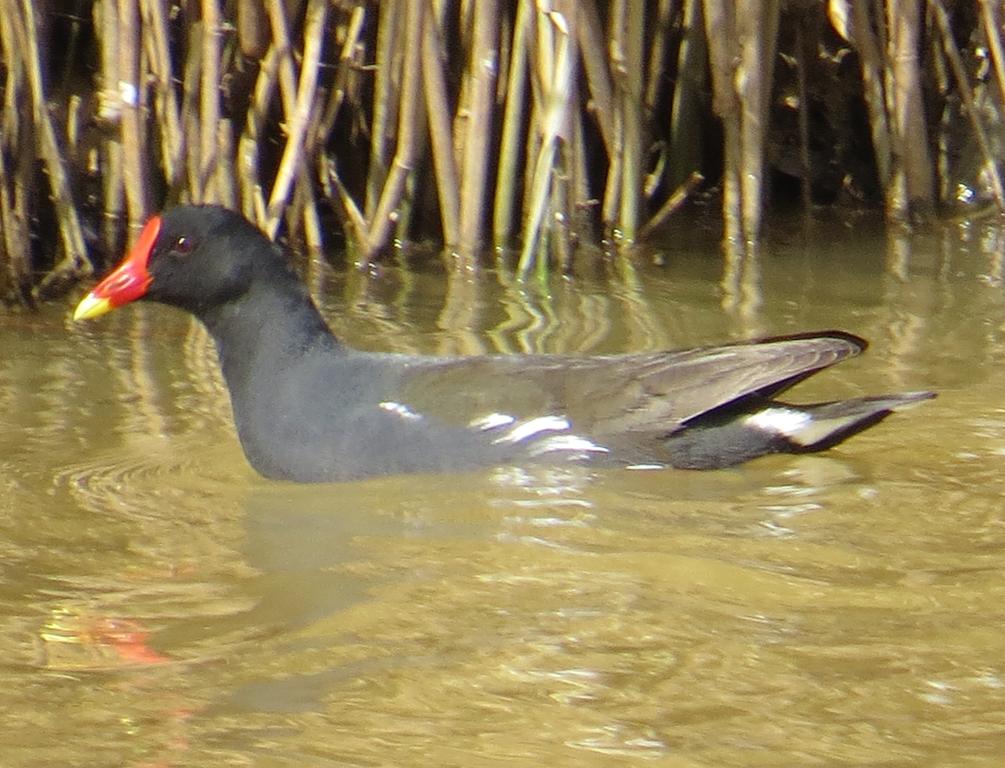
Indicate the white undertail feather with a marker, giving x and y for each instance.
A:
(817, 424)
(539, 435)
(785, 422)
(801, 427)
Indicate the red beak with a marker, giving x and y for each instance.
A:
(127, 282)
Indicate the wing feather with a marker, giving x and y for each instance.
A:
(605, 395)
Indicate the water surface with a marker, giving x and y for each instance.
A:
(162, 605)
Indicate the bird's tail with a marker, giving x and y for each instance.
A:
(823, 425)
(724, 439)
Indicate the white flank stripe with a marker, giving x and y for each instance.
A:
(401, 410)
(565, 443)
(531, 427)
(491, 421)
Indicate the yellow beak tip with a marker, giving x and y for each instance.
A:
(91, 306)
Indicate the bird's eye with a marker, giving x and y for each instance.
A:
(182, 246)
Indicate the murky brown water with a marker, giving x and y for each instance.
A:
(160, 605)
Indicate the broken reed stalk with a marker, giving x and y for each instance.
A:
(672, 204)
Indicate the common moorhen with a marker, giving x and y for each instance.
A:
(309, 409)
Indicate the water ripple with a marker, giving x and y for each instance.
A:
(150, 469)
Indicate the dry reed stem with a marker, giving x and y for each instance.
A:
(73, 262)
(582, 206)
(686, 135)
(512, 127)
(339, 92)
(408, 136)
(288, 89)
(757, 31)
(317, 14)
(539, 164)
(612, 189)
(172, 139)
(352, 215)
(591, 45)
(805, 180)
(226, 180)
(130, 98)
(15, 245)
(313, 237)
(915, 187)
(555, 65)
(438, 118)
(672, 205)
(967, 99)
(720, 32)
(284, 49)
(252, 196)
(851, 19)
(12, 45)
(209, 100)
(992, 30)
(252, 28)
(279, 25)
(106, 18)
(481, 72)
(628, 66)
(191, 93)
(571, 180)
(659, 35)
(385, 101)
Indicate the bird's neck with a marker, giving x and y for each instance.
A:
(267, 329)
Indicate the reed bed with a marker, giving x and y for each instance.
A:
(534, 125)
